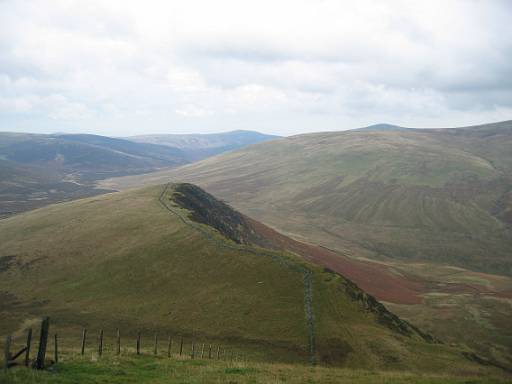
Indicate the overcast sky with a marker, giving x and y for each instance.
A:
(133, 67)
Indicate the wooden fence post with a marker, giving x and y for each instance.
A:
(100, 344)
(155, 351)
(118, 342)
(210, 352)
(43, 340)
(84, 336)
(181, 346)
(56, 349)
(138, 343)
(27, 352)
(192, 355)
(7, 352)
(202, 351)
(218, 351)
(169, 347)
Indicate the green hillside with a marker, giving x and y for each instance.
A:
(139, 261)
(129, 369)
(432, 195)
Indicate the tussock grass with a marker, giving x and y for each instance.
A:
(148, 369)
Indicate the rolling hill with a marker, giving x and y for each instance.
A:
(87, 156)
(439, 195)
(424, 213)
(36, 170)
(176, 260)
(25, 187)
(382, 127)
(200, 146)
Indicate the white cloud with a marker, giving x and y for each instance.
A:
(124, 67)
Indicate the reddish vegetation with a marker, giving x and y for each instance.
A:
(377, 279)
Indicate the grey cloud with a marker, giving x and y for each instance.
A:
(124, 68)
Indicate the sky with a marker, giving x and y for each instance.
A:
(284, 67)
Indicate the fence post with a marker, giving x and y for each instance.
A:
(7, 351)
(138, 343)
(56, 349)
(210, 352)
(100, 344)
(84, 336)
(155, 351)
(218, 351)
(43, 340)
(202, 351)
(181, 346)
(118, 342)
(169, 346)
(192, 355)
(27, 352)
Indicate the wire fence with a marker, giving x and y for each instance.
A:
(48, 350)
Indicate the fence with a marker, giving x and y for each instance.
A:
(195, 350)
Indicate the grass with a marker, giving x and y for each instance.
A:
(441, 198)
(124, 261)
(148, 369)
(479, 322)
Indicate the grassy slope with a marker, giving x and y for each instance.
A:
(437, 195)
(124, 260)
(434, 196)
(149, 369)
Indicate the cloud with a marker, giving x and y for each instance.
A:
(123, 67)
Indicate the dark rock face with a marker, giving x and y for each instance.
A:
(206, 209)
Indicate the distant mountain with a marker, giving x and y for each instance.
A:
(38, 169)
(382, 127)
(24, 187)
(87, 156)
(200, 146)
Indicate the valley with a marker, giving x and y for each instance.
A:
(37, 170)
